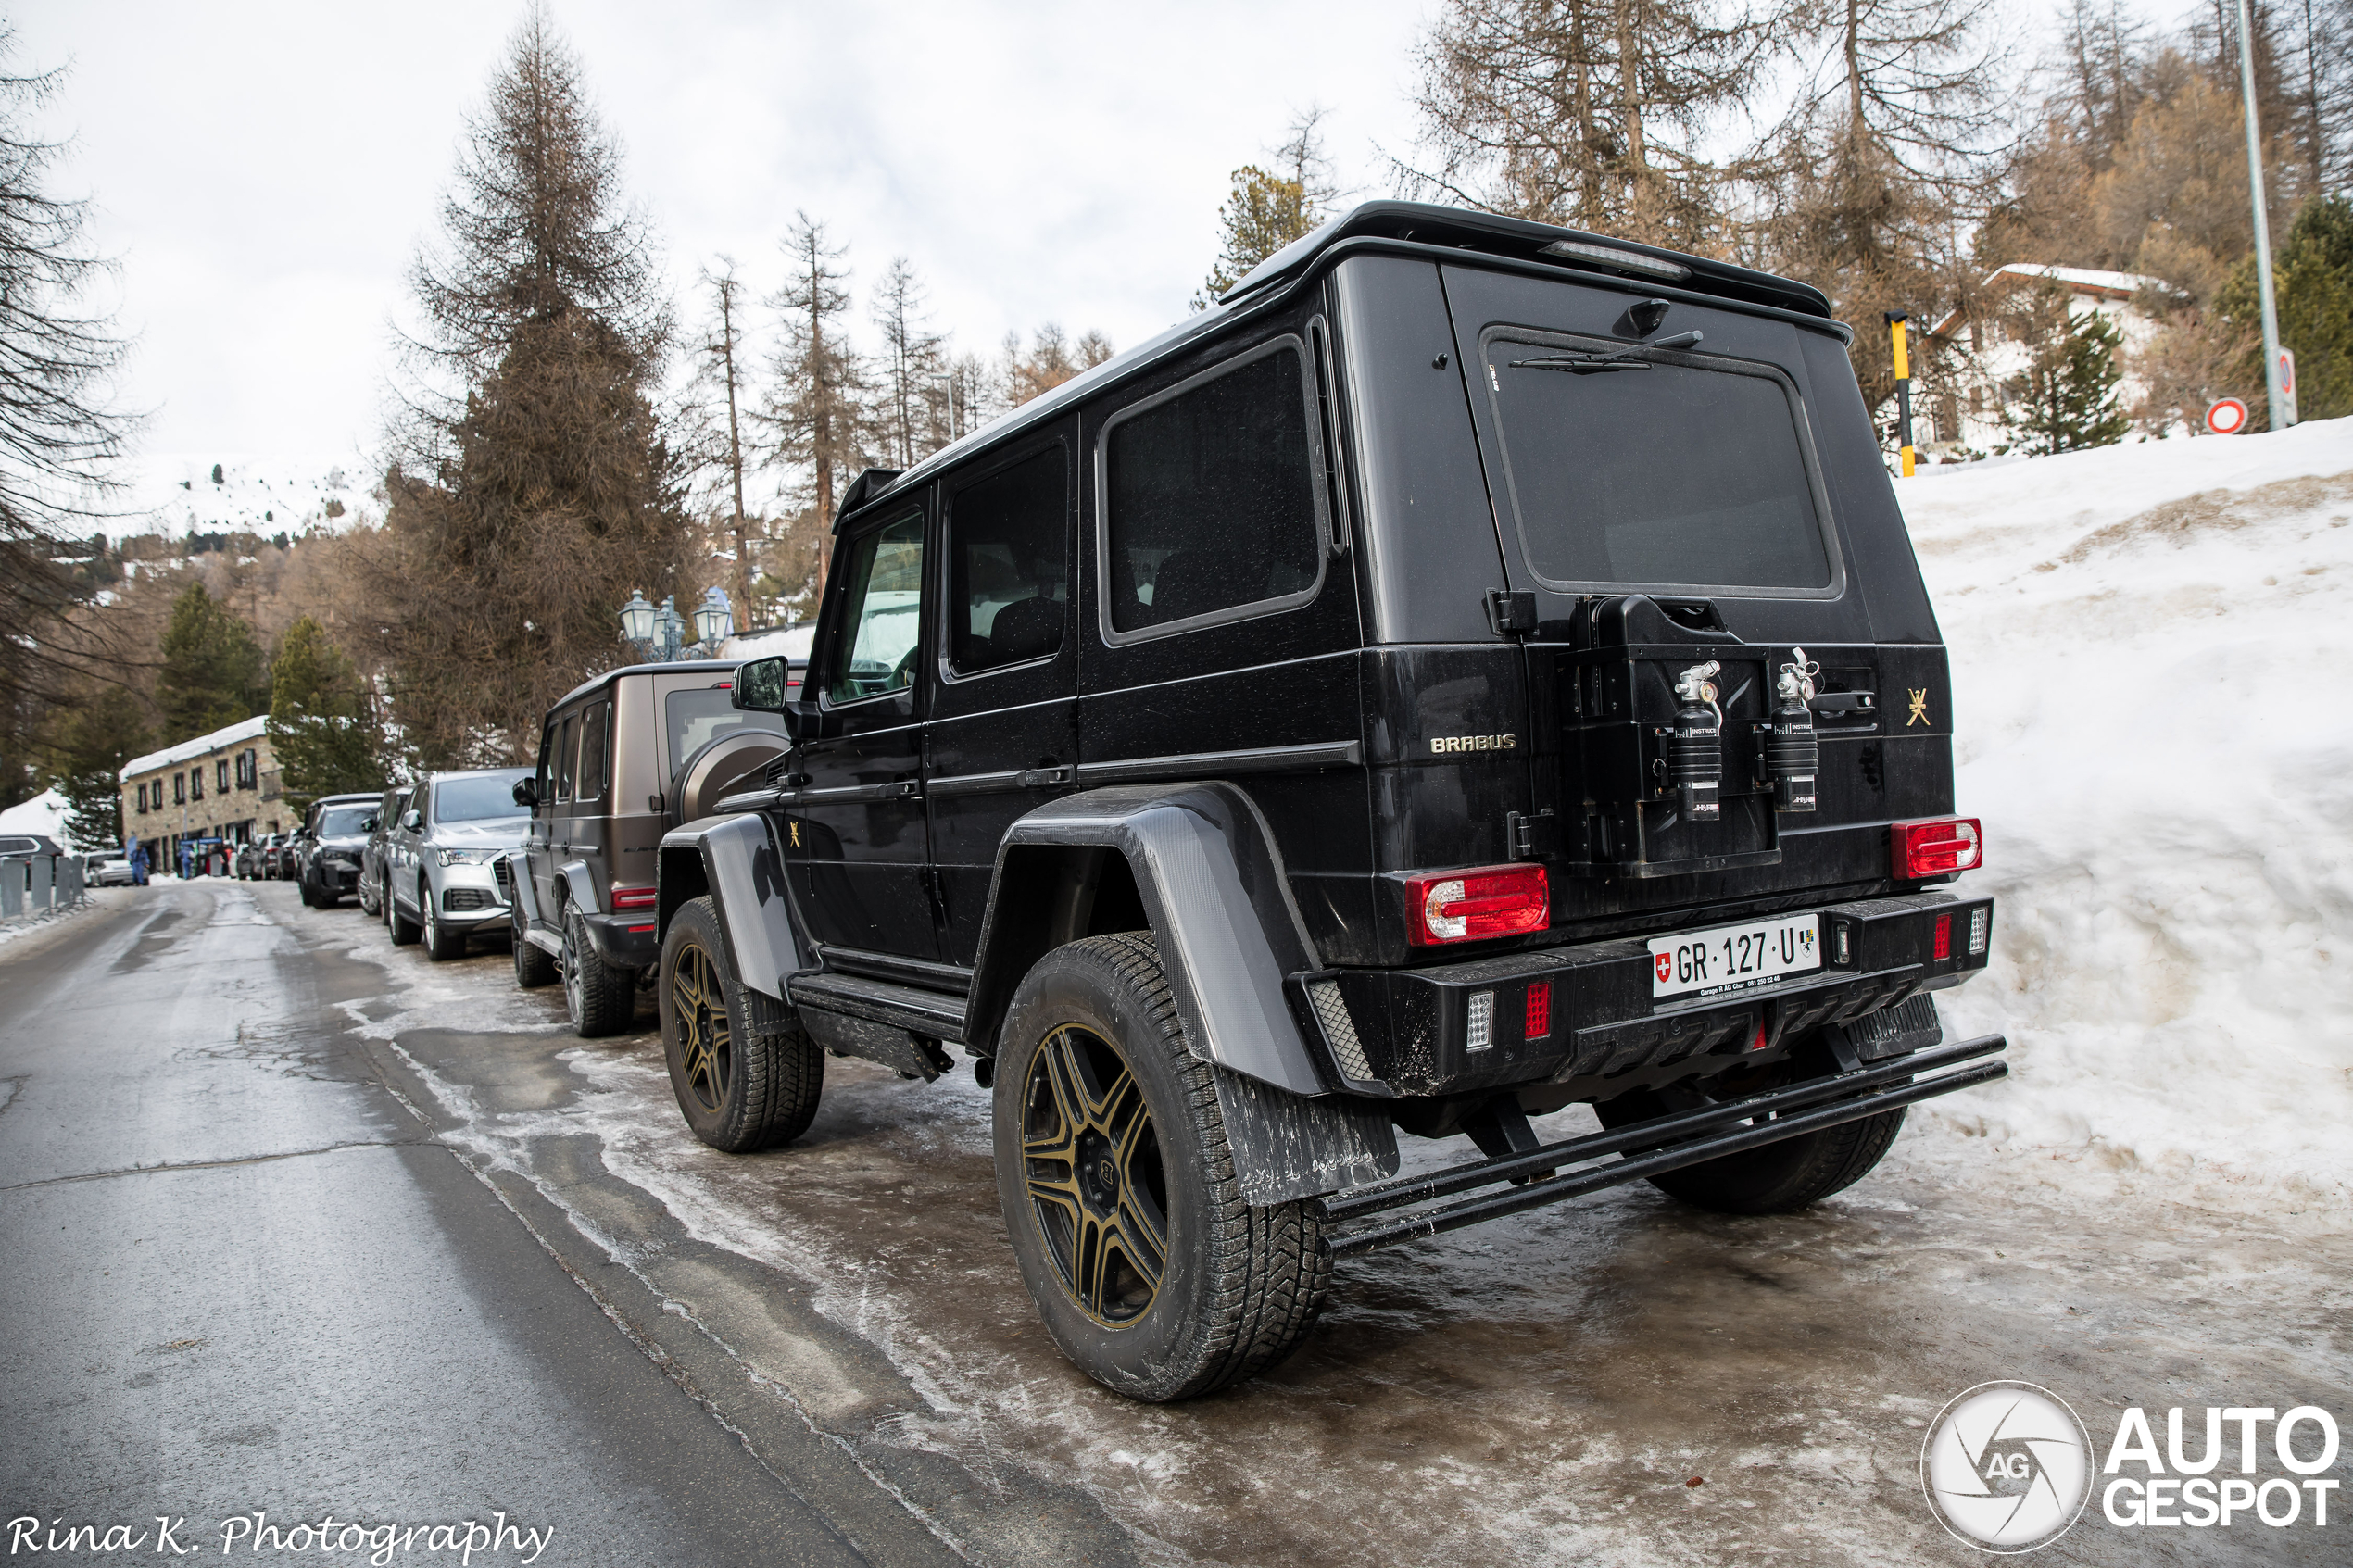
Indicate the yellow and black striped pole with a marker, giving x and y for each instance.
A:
(1895, 319)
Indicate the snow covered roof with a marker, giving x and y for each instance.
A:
(2090, 281)
(243, 729)
(792, 641)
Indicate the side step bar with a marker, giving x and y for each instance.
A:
(1688, 1137)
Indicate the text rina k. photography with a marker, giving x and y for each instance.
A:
(2007, 1468)
(467, 1541)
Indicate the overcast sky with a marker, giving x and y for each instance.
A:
(264, 171)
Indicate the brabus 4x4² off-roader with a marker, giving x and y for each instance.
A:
(1474, 668)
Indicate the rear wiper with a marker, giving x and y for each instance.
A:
(1623, 359)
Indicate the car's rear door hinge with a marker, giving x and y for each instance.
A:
(1533, 837)
(1513, 615)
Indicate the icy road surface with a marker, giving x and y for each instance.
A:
(1548, 1389)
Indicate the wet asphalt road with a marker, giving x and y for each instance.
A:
(416, 1254)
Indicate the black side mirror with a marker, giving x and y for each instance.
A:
(368, 825)
(527, 793)
(761, 685)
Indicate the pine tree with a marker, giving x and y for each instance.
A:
(323, 726)
(1592, 113)
(535, 487)
(2313, 282)
(212, 673)
(912, 362)
(723, 351)
(2071, 394)
(59, 437)
(83, 748)
(818, 406)
(1052, 359)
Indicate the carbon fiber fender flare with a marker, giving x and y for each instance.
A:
(735, 860)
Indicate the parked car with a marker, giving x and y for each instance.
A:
(623, 759)
(439, 882)
(1454, 693)
(107, 868)
(327, 848)
(271, 857)
(370, 886)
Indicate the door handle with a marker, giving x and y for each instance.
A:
(1043, 778)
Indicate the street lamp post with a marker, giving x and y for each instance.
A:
(660, 635)
(2277, 395)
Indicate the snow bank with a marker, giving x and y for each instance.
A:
(2148, 647)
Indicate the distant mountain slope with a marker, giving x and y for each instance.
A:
(174, 493)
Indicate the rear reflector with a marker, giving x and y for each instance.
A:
(1478, 1029)
(1540, 1010)
(1469, 906)
(1938, 846)
(1943, 945)
(633, 897)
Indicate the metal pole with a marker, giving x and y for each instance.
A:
(2274, 395)
(1895, 319)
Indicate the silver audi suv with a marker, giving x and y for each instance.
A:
(437, 859)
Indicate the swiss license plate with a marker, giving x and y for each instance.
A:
(1734, 957)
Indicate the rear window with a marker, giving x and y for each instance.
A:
(693, 717)
(1688, 473)
(344, 821)
(1210, 498)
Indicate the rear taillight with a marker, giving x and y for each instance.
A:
(633, 897)
(1469, 906)
(1938, 846)
(1540, 1010)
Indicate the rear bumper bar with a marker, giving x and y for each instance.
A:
(1361, 1217)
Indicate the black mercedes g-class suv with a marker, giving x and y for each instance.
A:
(1476, 668)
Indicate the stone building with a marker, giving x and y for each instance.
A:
(222, 786)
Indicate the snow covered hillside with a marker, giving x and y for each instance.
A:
(2147, 644)
(263, 495)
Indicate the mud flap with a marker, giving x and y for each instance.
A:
(1288, 1146)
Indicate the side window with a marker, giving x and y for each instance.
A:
(1009, 564)
(596, 739)
(1210, 503)
(884, 601)
(567, 739)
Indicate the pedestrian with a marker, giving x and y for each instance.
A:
(138, 865)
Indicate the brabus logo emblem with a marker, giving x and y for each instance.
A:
(796, 836)
(1443, 744)
(1919, 707)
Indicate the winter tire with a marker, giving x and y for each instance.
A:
(746, 1075)
(442, 944)
(533, 968)
(599, 998)
(1149, 1270)
(404, 931)
(1776, 1179)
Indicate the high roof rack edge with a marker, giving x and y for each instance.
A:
(1411, 225)
(1520, 240)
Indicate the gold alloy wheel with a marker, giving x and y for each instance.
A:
(1091, 1159)
(706, 1042)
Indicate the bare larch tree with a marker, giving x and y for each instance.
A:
(532, 487)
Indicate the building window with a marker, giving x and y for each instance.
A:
(180, 789)
(143, 797)
(248, 769)
(220, 776)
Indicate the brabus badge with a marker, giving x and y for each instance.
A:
(1919, 707)
(1441, 745)
(796, 836)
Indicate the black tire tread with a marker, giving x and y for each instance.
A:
(1267, 1267)
(533, 968)
(607, 996)
(1832, 1160)
(779, 1070)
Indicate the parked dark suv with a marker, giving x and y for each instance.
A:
(1476, 668)
(622, 760)
(328, 845)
